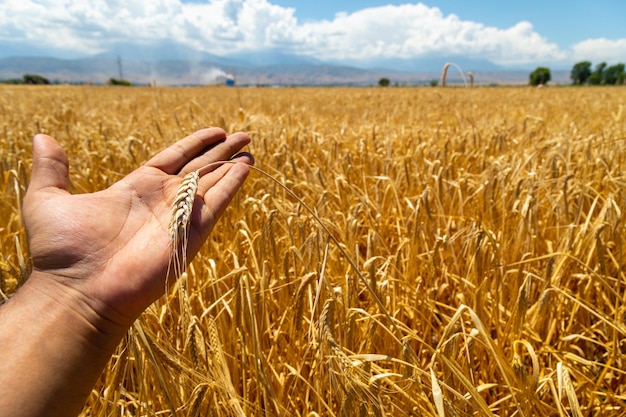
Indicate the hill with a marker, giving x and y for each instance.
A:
(209, 69)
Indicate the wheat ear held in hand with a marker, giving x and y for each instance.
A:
(181, 219)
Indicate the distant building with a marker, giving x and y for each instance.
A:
(230, 80)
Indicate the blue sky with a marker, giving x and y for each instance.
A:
(506, 34)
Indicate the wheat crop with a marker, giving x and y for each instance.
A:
(399, 251)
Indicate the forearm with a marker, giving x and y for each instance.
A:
(52, 353)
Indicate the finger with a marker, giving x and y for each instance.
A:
(50, 165)
(217, 198)
(207, 181)
(244, 157)
(172, 159)
(222, 151)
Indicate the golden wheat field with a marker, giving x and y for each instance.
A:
(415, 252)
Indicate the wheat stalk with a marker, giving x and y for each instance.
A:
(444, 73)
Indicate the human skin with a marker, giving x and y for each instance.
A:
(99, 260)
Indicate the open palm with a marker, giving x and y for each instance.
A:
(112, 247)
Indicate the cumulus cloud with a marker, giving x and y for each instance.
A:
(409, 31)
(228, 26)
(601, 49)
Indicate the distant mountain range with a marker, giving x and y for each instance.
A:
(184, 66)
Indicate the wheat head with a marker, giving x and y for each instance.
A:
(180, 221)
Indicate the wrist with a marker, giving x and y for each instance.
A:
(51, 336)
(67, 302)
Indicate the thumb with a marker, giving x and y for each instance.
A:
(50, 164)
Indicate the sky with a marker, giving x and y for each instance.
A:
(509, 34)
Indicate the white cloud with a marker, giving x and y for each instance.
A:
(226, 26)
(409, 31)
(601, 49)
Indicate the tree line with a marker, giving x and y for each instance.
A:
(602, 74)
(36, 79)
(582, 74)
(28, 79)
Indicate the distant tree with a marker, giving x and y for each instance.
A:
(384, 82)
(596, 77)
(540, 76)
(35, 79)
(580, 72)
(613, 74)
(621, 78)
(117, 81)
(434, 83)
